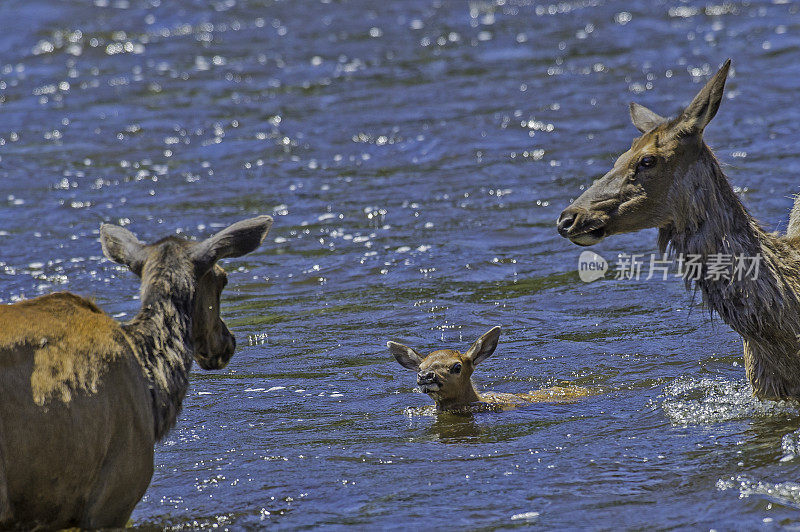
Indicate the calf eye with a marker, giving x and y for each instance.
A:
(648, 161)
(455, 368)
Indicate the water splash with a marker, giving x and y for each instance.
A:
(790, 445)
(690, 401)
(787, 493)
(414, 411)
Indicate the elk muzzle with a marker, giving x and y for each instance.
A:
(216, 352)
(582, 226)
(428, 381)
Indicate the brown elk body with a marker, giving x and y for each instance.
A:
(83, 398)
(671, 180)
(446, 376)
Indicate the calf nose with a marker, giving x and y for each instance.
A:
(425, 376)
(566, 221)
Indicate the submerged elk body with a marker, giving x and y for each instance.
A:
(671, 180)
(83, 398)
(446, 376)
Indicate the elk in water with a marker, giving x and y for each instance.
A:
(446, 376)
(669, 179)
(83, 398)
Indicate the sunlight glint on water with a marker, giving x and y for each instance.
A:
(415, 157)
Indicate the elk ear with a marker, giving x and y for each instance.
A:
(644, 119)
(699, 113)
(483, 346)
(234, 241)
(406, 357)
(122, 247)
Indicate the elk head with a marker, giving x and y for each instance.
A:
(174, 267)
(645, 187)
(445, 374)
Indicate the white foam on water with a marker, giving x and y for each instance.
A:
(690, 401)
(786, 493)
(412, 411)
(527, 516)
(790, 445)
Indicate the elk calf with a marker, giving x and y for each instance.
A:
(83, 399)
(445, 375)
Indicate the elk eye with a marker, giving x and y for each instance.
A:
(648, 161)
(455, 368)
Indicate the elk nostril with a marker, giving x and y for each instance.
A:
(565, 222)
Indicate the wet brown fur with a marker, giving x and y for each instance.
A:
(72, 339)
(83, 399)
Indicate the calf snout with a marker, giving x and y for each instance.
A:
(427, 377)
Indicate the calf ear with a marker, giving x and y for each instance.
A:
(122, 246)
(644, 119)
(234, 241)
(406, 357)
(483, 346)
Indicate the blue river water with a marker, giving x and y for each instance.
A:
(415, 156)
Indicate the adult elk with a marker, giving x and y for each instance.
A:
(83, 398)
(671, 180)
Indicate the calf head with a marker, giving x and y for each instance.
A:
(180, 269)
(445, 374)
